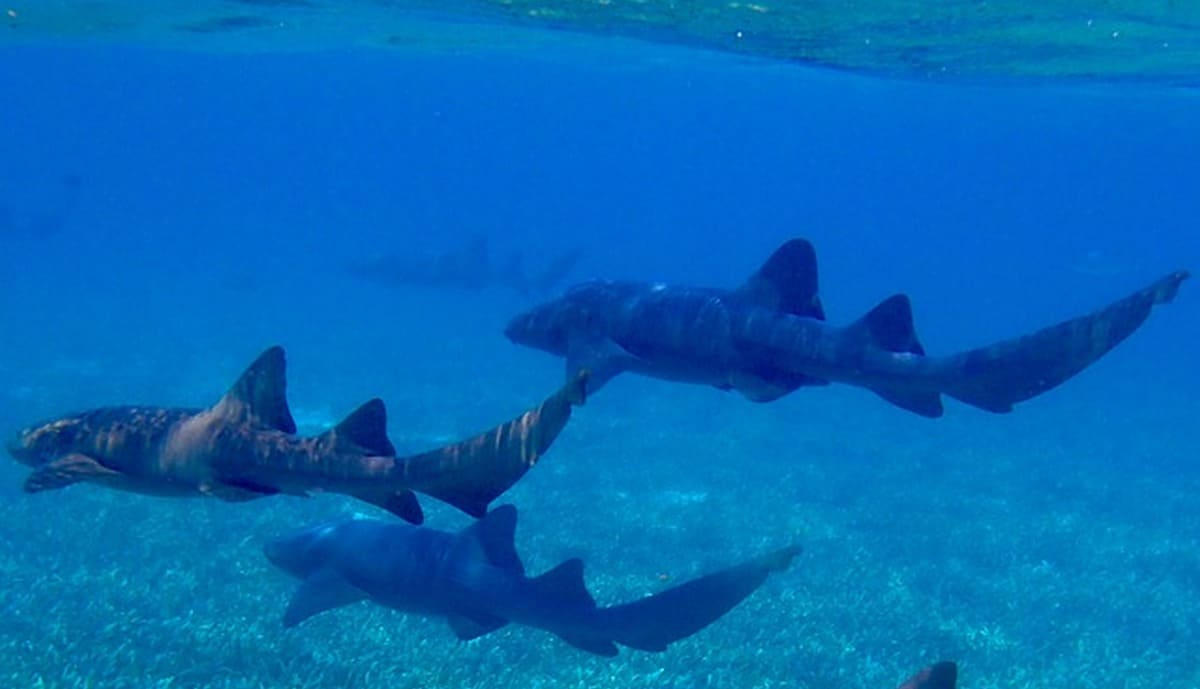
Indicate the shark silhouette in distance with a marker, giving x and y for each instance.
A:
(769, 337)
(467, 267)
(244, 447)
(476, 581)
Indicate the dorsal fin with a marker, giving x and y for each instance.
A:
(787, 281)
(890, 326)
(366, 427)
(494, 535)
(259, 396)
(564, 585)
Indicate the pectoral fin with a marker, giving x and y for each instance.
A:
(66, 470)
(322, 590)
(600, 357)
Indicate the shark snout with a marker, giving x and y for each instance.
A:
(515, 328)
(540, 328)
(18, 448)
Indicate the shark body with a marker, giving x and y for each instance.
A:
(769, 337)
(245, 447)
(477, 582)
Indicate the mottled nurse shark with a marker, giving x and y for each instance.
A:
(245, 447)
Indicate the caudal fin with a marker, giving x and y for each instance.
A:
(654, 622)
(1000, 375)
(472, 473)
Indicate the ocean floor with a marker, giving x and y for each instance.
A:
(1052, 547)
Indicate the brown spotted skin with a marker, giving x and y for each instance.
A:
(127, 440)
(182, 451)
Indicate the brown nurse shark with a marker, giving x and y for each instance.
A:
(245, 447)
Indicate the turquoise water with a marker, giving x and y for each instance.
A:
(167, 214)
(1146, 41)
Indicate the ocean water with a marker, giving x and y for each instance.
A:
(167, 212)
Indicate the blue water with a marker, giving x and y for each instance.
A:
(164, 216)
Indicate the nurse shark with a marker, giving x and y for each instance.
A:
(475, 580)
(245, 447)
(769, 337)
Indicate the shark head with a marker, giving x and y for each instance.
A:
(550, 326)
(302, 553)
(39, 444)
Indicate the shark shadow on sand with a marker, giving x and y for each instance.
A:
(476, 581)
(244, 447)
(769, 337)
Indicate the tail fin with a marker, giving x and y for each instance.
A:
(1000, 375)
(654, 622)
(472, 473)
(943, 675)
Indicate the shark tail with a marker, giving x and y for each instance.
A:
(998, 376)
(656, 621)
(471, 474)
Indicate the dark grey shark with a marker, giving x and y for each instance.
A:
(475, 579)
(245, 447)
(769, 337)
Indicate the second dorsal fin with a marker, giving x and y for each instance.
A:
(366, 427)
(259, 396)
(890, 326)
(564, 585)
